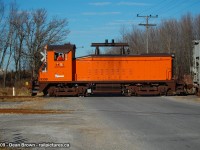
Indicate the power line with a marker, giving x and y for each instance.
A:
(172, 7)
(162, 4)
(165, 7)
(147, 25)
(187, 7)
(146, 10)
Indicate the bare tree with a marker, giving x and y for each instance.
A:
(6, 38)
(18, 20)
(187, 37)
(136, 40)
(23, 35)
(197, 27)
(4, 34)
(168, 33)
(40, 32)
(154, 38)
(123, 32)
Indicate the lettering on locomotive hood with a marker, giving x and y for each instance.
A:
(59, 76)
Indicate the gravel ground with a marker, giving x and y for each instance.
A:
(110, 123)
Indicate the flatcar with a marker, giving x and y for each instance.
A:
(145, 74)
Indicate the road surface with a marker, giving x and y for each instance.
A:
(102, 123)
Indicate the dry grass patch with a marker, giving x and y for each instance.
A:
(18, 91)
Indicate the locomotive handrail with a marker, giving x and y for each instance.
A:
(41, 67)
(109, 45)
(112, 44)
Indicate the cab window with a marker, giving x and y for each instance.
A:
(59, 56)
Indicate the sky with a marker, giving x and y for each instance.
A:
(96, 20)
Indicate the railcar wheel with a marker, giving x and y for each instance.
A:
(169, 93)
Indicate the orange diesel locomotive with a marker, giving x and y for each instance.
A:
(126, 74)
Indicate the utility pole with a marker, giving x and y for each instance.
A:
(147, 25)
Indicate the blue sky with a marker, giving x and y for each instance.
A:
(97, 20)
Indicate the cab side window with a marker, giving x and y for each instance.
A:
(59, 56)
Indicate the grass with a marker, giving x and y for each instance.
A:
(18, 91)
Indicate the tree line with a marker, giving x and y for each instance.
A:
(23, 35)
(170, 36)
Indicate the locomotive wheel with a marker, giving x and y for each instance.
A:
(33, 94)
(169, 93)
(128, 93)
(51, 91)
(45, 92)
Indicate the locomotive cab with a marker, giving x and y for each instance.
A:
(58, 66)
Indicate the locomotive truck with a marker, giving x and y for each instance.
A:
(145, 74)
